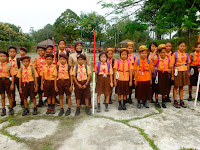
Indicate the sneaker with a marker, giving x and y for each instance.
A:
(53, 110)
(164, 105)
(61, 112)
(106, 108)
(130, 101)
(34, 111)
(87, 110)
(77, 111)
(145, 104)
(26, 111)
(98, 108)
(157, 105)
(152, 101)
(120, 107)
(68, 112)
(48, 110)
(139, 105)
(182, 104)
(3, 113)
(14, 103)
(11, 111)
(124, 107)
(176, 105)
(40, 103)
(189, 98)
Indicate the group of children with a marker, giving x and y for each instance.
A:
(151, 73)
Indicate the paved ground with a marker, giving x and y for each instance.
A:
(165, 129)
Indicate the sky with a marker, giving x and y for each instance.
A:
(38, 13)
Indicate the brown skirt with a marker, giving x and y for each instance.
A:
(194, 77)
(5, 85)
(49, 88)
(82, 93)
(163, 83)
(63, 87)
(182, 79)
(122, 88)
(39, 85)
(143, 90)
(28, 90)
(103, 85)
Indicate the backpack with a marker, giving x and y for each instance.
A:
(69, 67)
(156, 70)
(138, 63)
(99, 65)
(85, 69)
(32, 71)
(119, 61)
(176, 58)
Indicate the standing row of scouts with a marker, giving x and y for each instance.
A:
(151, 73)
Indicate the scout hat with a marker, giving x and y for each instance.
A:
(162, 46)
(25, 57)
(110, 49)
(143, 48)
(81, 56)
(44, 48)
(130, 44)
(3, 52)
(64, 56)
(23, 49)
(49, 55)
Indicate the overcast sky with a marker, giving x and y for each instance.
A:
(38, 13)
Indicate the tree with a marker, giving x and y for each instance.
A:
(66, 26)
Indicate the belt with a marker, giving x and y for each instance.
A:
(3, 78)
(63, 79)
(48, 80)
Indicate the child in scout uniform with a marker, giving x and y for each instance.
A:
(123, 77)
(161, 75)
(38, 64)
(180, 72)
(64, 84)
(104, 80)
(110, 60)
(194, 69)
(143, 80)
(13, 63)
(49, 49)
(48, 77)
(82, 76)
(153, 57)
(169, 54)
(28, 83)
(61, 49)
(5, 84)
(132, 58)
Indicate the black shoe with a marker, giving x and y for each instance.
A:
(26, 111)
(40, 104)
(22, 104)
(152, 101)
(189, 98)
(48, 111)
(145, 104)
(104, 102)
(34, 111)
(98, 108)
(11, 111)
(57, 102)
(14, 103)
(45, 101)
(124, 107)
(3, 113)
(87, 110)
(106, 108)
(77, 111)
(163, 105)
(130, 101)
(61, 112)
(167, 99)
(68, 112)
(157, 105)
(139, 105)
(110, 100)
(120, 107)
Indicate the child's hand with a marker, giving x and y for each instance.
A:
(111, 84)
(84, 86)
(12, 87)
(135, 83)
(130, 83)
(115, 83)
(42, 87)
(79, 86)
(20, 90)
(71, 88)
(56, 89)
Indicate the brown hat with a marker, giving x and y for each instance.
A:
(130, 44)
(64, 56)
(3, 52)
(49, 55)
(110, 49)
(25, 57)
(162, 46)
(123, 49)
(44, 48)
(23, 49)
(81, 56)
(143, 48)
(49, 46)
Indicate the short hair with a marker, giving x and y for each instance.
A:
(102, 53)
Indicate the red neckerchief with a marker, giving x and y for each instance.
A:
(183, 56)
(41, 63)
(48, 71)
(104, 68)
(63, 71)
(12, 62)
(81, 72)
(110, 61)
(163, 65)
(25, 75)
(169, 54)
